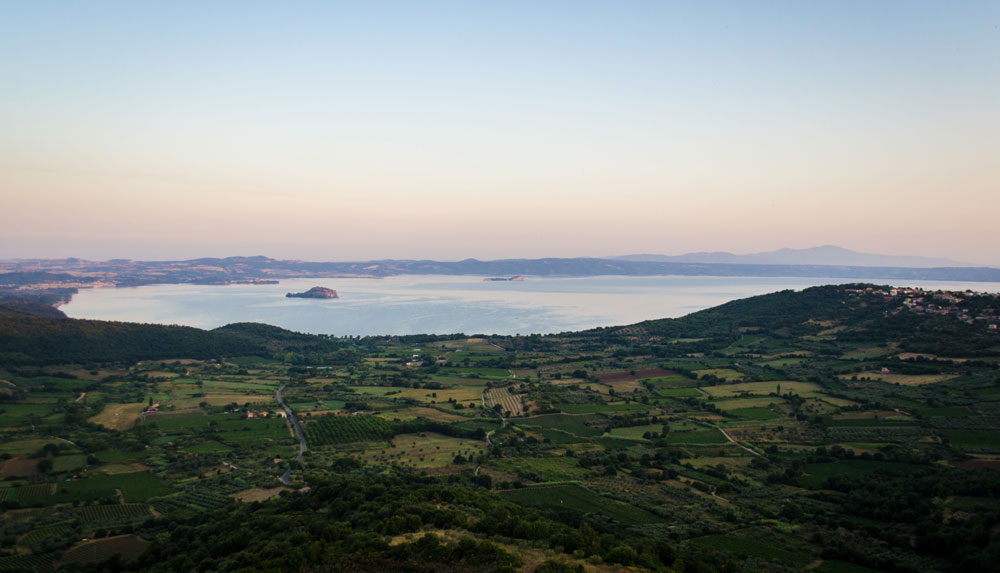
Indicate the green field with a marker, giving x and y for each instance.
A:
(111, 512)
(750, 547)
(742, 403)
(818, 474)
(723, 373)
(583, 426)
(27, 562)
(174, 424)
(595, 407)
(135, 487)
(544, 469)
(34, 493)
(68, 463)
(43, 533)
(696, 438)
(754, 414)
(127, 546)
(332, 429)
(973, 439)
(28, 446)
(804, 389)
(576, 498)
(782, 362)
(233, 428)
(209, 447)
(423, 451)
(635, 432)
(952, 411)
(680, 392)
(317, 405)
(16, 415)
(835, 566)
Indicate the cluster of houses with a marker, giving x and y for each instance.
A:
(948, 303)
(265, 414)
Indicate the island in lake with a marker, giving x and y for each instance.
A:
(315, 292)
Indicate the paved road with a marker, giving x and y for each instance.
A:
(295, 423)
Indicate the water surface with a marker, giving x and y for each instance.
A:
(440, 304)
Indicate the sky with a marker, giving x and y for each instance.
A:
(447, 130)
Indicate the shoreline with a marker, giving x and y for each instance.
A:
(443, 304)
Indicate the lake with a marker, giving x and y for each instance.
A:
(422, 304)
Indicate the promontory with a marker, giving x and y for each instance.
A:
(315, 292)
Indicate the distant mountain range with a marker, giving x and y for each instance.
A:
(826, 255)
(57, 278)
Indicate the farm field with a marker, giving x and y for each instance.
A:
(818, 474)
(635, 432)
(543, 469)
(593, 408)
(697, 438)
(15, 415)
(727, 374)
(423, 451)
(864, 353)
(461, 393)
(573, 424)
(508, 403)
(110, 512)
(134, 487)
(259, 494)
(127, 546)
(422, 412)
(612, 450)
(576, 498)
(41, 534)
(750, 547)
(118, 416)
(754, 413)
(25, 446)
(903, 379)
(783, 362)
(680, 392)
(972, 439)
(804, 389)
(729, 404)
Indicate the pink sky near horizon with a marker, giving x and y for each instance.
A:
(515, 131)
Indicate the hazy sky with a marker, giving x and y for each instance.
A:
(357, 130)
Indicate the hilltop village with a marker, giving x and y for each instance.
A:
(967, 306)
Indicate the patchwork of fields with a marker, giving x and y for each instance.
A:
(823, 436)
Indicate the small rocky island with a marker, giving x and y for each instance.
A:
(314, 292)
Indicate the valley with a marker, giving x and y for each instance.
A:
(834, 429)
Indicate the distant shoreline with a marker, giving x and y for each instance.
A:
(54, 281)
(442, 304)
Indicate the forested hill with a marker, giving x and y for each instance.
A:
(919, 321)
(29, 339)
(860, 313)
(778, 310)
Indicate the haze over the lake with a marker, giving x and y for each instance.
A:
(445, 130)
